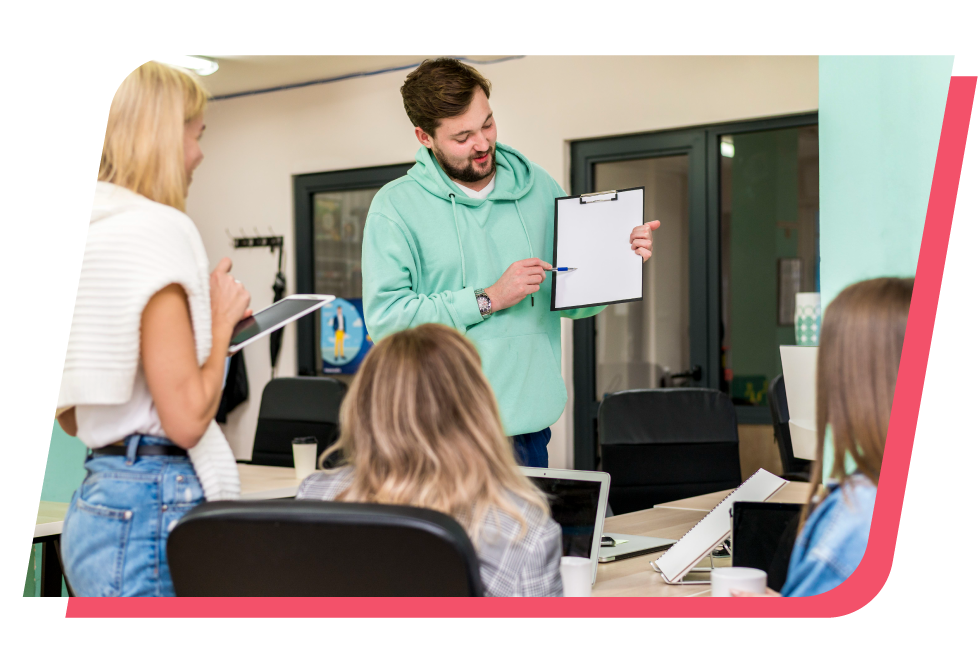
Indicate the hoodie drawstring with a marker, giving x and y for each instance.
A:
(459, 239)
(530, 248)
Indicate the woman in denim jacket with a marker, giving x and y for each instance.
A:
(860, 349)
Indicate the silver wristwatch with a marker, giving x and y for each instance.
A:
(483, 301)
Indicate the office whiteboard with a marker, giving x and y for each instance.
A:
(592, 234)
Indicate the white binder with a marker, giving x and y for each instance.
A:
(592, 234)
(711, 531)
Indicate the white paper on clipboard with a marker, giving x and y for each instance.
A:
(592, 234)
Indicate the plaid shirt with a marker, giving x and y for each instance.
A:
(508, 566)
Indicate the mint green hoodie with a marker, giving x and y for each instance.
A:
(428, 246)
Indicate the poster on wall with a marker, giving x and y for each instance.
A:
(344, 340)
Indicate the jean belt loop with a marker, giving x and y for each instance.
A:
(132, 443)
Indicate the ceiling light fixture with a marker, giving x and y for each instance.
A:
(199, 65)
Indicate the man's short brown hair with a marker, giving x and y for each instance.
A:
(440, 88)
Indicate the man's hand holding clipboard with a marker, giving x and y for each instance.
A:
(641, 239)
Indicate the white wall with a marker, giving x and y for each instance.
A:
(253, 145)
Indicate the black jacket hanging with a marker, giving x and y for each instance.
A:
(275, 339)
(236, 387)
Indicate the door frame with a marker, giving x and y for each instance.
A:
(702, 146)
(304, 188)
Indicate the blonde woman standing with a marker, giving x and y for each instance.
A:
(420, 427)
(145, 361)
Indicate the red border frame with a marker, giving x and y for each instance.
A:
(856, 592)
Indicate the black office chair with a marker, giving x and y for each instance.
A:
(794, 469)
(666, 444)
(295, 407)
(320, 548)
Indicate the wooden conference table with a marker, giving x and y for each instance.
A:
(635, 576)
(630, 577)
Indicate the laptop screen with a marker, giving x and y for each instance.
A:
(763, 536)
(573, 505)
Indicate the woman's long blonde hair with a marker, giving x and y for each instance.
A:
(861, 342)
(144, 138)
(420, 427)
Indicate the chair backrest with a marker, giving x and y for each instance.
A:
(665, 444)
(778, 406)
(793, 468)
(296, 407)
(320, 548)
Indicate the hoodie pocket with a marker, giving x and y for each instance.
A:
(526, 379)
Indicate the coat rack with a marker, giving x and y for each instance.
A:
(272, 242)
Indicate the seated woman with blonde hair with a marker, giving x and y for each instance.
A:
(420, 427)
(857, 368)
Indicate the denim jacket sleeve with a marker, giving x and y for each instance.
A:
(833, 540)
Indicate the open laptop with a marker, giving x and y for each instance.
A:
(578, 504)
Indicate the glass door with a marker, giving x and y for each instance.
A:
(739, 237)
(646, 344)
(660, 340)
(769, 208)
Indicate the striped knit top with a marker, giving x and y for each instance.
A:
(135, 248)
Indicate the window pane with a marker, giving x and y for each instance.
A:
(769, 252)
(639, 344)
(338, 223)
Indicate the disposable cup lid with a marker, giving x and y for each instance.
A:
(309, 439)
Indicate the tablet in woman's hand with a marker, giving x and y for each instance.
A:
(275, 317)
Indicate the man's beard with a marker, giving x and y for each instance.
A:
(467, 174)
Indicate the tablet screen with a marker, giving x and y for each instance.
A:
(763, 536)
(268, 318)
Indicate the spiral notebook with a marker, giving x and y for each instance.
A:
(711, 531)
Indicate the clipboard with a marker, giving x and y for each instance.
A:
(592, 234)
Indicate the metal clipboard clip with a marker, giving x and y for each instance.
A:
(601, 196)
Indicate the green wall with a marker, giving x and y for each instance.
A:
(63, 473)
(764, 192)
(65, 469)
(880, 119)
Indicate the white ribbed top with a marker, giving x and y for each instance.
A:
(135, 248)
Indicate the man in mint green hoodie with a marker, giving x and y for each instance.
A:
(463, 240)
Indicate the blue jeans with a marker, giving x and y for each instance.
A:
(114, 540)
(531, 449)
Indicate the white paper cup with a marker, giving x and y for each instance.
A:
(746, 579)
(576, 576)
(304, 459)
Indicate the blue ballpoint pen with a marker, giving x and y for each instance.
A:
(562, 269)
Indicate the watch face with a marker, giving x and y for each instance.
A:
(484, 303)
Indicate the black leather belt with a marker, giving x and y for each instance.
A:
(142, 450)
